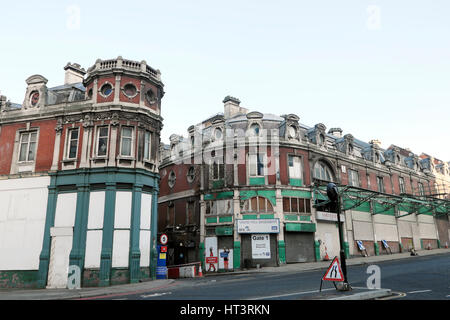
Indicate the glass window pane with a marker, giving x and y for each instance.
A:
(103, 131)
(126, 147)
(24, 137)
(127, 132)
(102, 146)
(23, 152)
(32, 151)
(73, 149)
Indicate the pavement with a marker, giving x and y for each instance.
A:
(146, 286)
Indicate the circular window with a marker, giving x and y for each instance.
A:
(34, 98)
(150, 96)
(191, 174)
(172, 179)
(106, 89)
(130, 90)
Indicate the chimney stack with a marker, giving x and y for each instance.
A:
(337, 132)
(74, 73)
(231, 107)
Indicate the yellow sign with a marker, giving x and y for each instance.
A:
(162, 256)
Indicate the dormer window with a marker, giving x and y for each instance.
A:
(254, 129)
(292, 131)
(218, 133)
(321, 139)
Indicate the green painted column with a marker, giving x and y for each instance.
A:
(154, 234)
(282, 251)
(377, 248)
(438, 243)
(401, 247)
(237, 255)
(346, 250)
(77, 253)
(201, 253)
(44, 257)
(135, 252)
(108, 234)
(317, 250)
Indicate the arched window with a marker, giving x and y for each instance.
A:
(258, 204)
(322, 171)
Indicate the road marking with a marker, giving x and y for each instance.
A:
(395, 295)
(419, 291)
(155, 295)
(289, 294)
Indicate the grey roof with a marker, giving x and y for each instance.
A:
(78, 86)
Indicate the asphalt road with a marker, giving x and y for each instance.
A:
(424, 278)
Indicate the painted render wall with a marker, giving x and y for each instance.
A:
(22, 221)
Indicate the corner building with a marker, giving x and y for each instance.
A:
(248, 186)
(79, 177)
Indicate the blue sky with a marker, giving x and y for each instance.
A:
(377, 69)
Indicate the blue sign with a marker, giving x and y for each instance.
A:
(161, 269)
(385, 244)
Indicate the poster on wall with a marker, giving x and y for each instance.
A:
(261, 246)
(211, 258)
(226, 259)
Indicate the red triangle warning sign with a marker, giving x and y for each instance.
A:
(334, 272)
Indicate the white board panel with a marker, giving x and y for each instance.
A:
(146, 211)
(144, 247)
(362, 230)
(122, 218)
(23, 206)
(66, 205)
(121, 248)
(386, 232)
(96, 209)
(93, 249)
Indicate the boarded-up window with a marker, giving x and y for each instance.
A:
(296, 205)
(258, 204)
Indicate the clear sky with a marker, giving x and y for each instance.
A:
(378, 69)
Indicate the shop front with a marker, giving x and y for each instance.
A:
(258, 242)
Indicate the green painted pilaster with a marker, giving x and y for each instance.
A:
(346, 250)
(421, 244)
(135, 252)
(401, 247)
(201, 253)
(77, 253)
(377, 248)
(153, 232)
(438, 243)
(108, 234)
(44, 257)
(237, 255)
(317, 250)
(282, 251)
